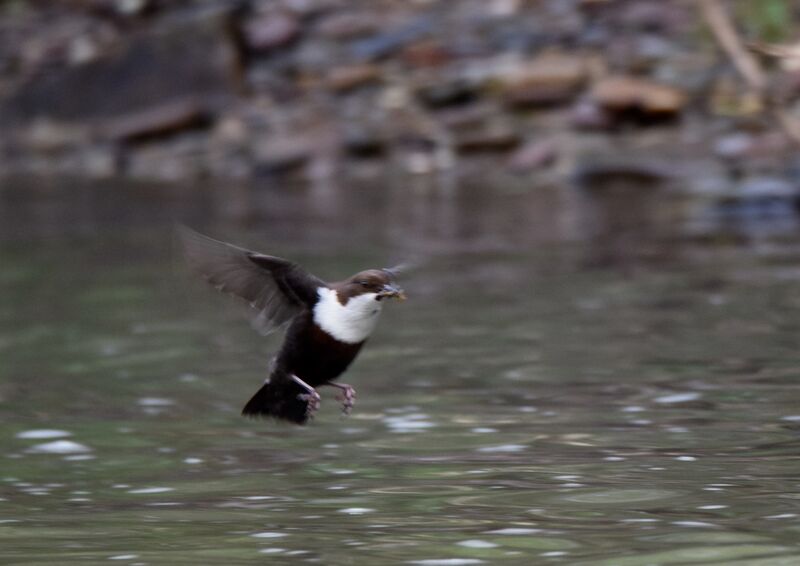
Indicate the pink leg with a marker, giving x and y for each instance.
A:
(347, 396)
(311, 398)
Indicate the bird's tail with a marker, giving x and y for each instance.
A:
(278, 398)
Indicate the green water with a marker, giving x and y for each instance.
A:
(525, 406)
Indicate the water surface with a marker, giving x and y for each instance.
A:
(538, 400)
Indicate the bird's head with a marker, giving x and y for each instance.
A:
(380, 282)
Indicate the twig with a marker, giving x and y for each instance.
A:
(724, 31)
(728, 38)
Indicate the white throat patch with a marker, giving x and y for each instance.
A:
(351, 323)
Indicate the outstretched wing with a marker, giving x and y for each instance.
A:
(277, 288)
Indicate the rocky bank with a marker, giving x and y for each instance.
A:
(589, 91)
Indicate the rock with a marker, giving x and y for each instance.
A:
(264, 76)
(602, 172)
(363, 141)
(521, 35)
(640, 55)
(45, 45)
(93, 161)
(502, 8)
(305, 9)
(157, 121)
(757, 149)
(546, 80)
(349, 25)
(83, 49)
(587, 115)
(385, 44)
(493, 137)
(266, 32)
(733, 99)
(100, 161)
(469, 116)
(182, 158)
(426, 53)
(655, 16)
(759, 197)
(315, 57)
(133, 7)
(767, 187)
(45, 136)
(231, 129)
(282, 153)
(117, 8)
(734, 146)
(533, 155)
(345, 79)
(638, 98)
(158, 81)
(442, 93)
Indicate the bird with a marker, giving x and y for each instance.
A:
(326, 324)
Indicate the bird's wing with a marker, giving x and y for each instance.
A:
(276, 288)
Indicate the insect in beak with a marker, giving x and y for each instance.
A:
(391, 291)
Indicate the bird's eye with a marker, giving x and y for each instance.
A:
(364, 283)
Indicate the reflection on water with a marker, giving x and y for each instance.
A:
(522, 408)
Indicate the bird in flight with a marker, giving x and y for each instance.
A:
(326, 323)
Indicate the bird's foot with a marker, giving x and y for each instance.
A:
(347, 396)
(311, 397)
(313, 402)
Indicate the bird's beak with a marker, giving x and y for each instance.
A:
(391, 291)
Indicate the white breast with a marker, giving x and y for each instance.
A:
(350, 323)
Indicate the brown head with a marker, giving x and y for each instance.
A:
(379, 282)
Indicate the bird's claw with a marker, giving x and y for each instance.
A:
(347, 396)
(313, 402)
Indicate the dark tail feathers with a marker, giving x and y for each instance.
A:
(278, 399)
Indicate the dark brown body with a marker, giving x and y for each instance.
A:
(312, 354)
(309, 353)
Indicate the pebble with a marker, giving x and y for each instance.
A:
(532, 155)
(443, 93)
(349, 25)
(389, 42)
(494, 137)
(347, 78)
(270, 31)
(620, 94)
(546, 80)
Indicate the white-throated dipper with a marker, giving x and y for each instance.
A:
(327, 323)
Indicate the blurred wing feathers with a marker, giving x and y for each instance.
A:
(277, 288)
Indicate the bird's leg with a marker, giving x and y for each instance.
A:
(311, 397)
(347, 395)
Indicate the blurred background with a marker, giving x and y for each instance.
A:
(689, 104)
(598, 361)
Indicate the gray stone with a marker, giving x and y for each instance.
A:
(492, 137)
(549, 79)
(158, 81)
(448, 93)
(533, 155)
(349, 25)
(282, 153)
(266, 32)
(733, 146)
(183, 157)
(767, 187)
(385, 44)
